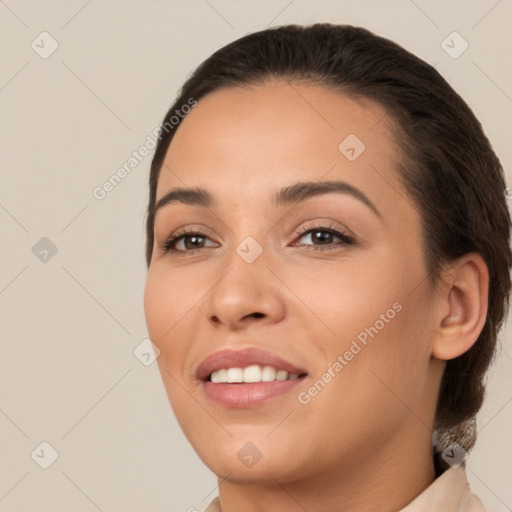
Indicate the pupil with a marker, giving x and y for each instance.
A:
(193, 242)
(322, 236)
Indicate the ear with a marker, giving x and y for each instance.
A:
(461, 306)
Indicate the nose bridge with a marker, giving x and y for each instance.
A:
(246, 288)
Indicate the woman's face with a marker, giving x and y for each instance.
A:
(326, 284)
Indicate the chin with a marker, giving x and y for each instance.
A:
(256, 459)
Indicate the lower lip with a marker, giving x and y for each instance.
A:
(248, 395)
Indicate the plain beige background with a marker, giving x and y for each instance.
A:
(71, 321)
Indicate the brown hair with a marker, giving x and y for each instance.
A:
(448, 166)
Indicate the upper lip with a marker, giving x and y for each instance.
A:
(230, 358)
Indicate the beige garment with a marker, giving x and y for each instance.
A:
(450, 492)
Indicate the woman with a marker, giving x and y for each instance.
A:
(328, 268)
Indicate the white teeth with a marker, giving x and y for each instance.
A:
(235, 375)
(268, 374)
(281, 375)
(220, 376)
(252, 373)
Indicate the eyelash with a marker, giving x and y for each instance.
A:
(345, 239)
(170, 243)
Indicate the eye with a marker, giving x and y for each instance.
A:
(323, 237)
(187, 241)
(317, 238)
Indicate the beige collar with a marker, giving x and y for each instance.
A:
(450, 491)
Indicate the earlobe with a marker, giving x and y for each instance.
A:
(462, 307)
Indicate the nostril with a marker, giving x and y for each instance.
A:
(258, 315)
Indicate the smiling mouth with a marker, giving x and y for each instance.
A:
(247, 377)
(251, 374)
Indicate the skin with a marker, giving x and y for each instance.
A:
(364, 441)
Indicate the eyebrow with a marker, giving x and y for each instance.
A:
(299, 192)
(289, 195)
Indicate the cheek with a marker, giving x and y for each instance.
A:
(348, 295)
(364, 311)
(169, 310)
(158, 304)
(375, 385)
(169, 301)
(388, 376)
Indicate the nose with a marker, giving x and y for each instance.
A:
(247, 294)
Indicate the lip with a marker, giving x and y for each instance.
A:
(240, 396)
(243, 395)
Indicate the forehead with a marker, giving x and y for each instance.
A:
(272, 134)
